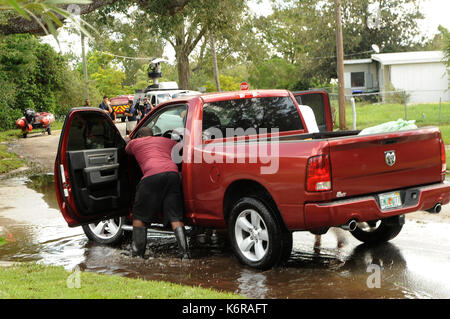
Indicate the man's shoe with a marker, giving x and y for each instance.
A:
(183, 247)
(139, 242)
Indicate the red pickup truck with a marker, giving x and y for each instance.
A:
(249, 165)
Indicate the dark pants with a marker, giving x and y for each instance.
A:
(159, 193)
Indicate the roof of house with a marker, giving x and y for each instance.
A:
(360, 61)
(402, 58)
(409, 57)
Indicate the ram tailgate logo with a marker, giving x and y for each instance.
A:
(389, 157)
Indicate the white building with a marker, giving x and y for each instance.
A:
(423, 75)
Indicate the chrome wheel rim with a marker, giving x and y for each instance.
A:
(106, 229)
(251, 235)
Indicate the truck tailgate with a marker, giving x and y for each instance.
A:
(365, 164)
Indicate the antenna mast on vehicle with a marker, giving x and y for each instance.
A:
(154, 72)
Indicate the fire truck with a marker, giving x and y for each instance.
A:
(119, 104)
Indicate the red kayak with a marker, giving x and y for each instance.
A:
(35, 120)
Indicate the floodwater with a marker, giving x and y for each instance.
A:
(413, 265)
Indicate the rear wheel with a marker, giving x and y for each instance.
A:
(107, 231)
(49, 130)
(286, 246)
(380, 231)
(122, 119)
(256, 235)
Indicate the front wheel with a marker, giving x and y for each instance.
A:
(107, 231)
(256, 235)
(380, 231)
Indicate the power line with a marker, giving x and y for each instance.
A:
(126, 57)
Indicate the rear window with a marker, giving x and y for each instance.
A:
(258, 113)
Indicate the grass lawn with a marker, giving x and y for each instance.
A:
(9, 161)
(16, 133)
(424, 114)
(34, 281)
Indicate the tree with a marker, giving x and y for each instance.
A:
(41, 16)
(104, 75)
(445, 34)
(303, 32)
(276, 73)
(122, 35)
(188, 27)
(33, 75)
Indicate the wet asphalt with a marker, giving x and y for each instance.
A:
(413, 265)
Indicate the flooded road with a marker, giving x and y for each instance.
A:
(413, 265)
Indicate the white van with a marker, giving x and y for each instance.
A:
(161, 92)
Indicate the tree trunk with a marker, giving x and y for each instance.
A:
(214, 60)
(184, 71)
(83, 55)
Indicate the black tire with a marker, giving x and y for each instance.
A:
(286, 246)
(24, 135)
(49, 130)
(272, 247)
(122, 119)
(113, 238)
(385, 230)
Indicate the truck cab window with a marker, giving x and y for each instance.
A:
(167, 120)
(91, 131)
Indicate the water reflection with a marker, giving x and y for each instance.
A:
(252, 284)
(44, 184)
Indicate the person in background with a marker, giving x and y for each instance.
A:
(112, 113)
(147, 107)
(139, 109)
(158, 190)
(87, 103)
(131, 114)
(105, 106)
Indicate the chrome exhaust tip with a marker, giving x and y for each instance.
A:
(436, 209)
(350, 226)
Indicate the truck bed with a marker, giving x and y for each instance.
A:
(358, 162)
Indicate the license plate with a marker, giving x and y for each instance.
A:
(390, 200)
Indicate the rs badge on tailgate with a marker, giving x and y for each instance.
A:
(389, 157)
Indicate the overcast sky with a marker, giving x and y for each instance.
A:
(436, 13)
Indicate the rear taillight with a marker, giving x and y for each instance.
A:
(318, 174)
(443, 159)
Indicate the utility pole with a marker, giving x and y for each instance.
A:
(340, 63)
(83, 54)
